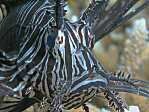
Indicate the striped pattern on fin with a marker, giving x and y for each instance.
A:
(114, 100)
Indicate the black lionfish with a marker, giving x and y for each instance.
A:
(46, 59)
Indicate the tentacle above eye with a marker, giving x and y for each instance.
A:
(60, 13)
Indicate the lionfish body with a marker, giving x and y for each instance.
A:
(48, 59)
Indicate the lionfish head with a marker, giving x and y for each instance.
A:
(73, 50)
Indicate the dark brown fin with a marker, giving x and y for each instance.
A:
(124, 83)
(86, 108)
(115, 16)
(115, 102)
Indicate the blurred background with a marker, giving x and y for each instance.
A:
(125, 49)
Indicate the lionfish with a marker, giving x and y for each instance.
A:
(48, 60)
